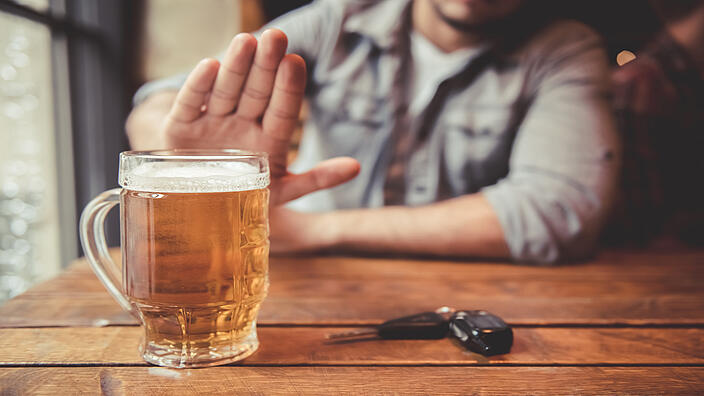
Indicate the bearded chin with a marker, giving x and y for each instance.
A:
(463, 26)
(486, 28)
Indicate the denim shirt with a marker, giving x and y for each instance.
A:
(531, 130)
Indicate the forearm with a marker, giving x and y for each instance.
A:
(464, 226)
(143, 123)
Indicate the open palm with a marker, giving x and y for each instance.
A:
(251, 101)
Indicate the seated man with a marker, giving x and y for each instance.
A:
(482, 127)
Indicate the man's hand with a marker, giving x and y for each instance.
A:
(252, 102)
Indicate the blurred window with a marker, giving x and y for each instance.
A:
(29, 192)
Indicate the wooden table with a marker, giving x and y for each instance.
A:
(625, 323)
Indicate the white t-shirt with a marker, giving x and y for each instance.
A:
(430, 67)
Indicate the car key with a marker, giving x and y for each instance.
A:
(422, 326)
(481, 332)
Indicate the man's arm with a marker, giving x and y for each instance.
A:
(552, 204)
(566, 156)
(144, 121)
(462, 227)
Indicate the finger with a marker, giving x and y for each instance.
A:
(281, 116)
(191, 97)
(326, 174)
(260, 81)
(232, 74)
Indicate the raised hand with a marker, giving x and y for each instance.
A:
(251, 101)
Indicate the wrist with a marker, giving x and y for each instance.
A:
(329, 230)
(144, 126)
(297, 232)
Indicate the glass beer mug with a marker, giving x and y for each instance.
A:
(195, 249)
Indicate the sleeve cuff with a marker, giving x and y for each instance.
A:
(165, 84)
(527, 235)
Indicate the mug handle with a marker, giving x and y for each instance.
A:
(92, 233)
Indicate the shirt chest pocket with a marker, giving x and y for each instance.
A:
(477, 145)
(349, 122)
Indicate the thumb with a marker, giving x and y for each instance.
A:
(326, 174)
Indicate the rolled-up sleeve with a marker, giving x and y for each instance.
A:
(565, 158)
(172, 83)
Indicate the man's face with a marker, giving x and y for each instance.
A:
(474, 14)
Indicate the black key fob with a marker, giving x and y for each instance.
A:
(481, 332)
(422, 326)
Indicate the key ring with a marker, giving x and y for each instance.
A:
(445, 311)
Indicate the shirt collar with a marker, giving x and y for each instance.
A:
(381, 21)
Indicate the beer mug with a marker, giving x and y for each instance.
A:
(195, 250)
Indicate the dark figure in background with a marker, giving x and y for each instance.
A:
(659, 100)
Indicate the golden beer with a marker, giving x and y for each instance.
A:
(196, 266)
(195, 249)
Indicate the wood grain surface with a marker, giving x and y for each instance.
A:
(353, 380)
(618, 288)
(309, 346)
(623, 323)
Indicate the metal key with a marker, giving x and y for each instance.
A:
(422, 326)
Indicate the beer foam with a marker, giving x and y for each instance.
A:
(184, 177)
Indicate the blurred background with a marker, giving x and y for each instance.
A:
(68, 70)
